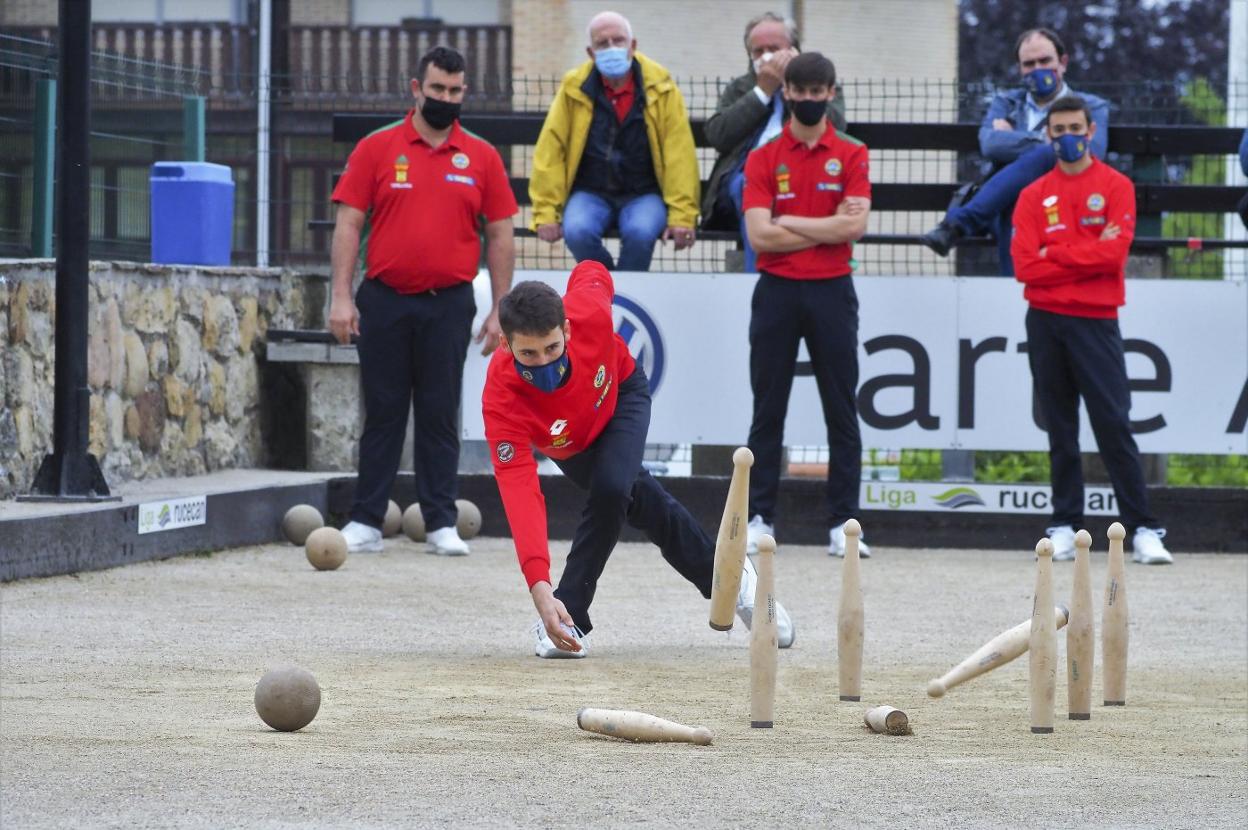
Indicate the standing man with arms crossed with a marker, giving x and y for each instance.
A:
(566, 384)
(422, 186)
(1072, 230)
(807, 196)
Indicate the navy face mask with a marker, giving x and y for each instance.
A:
(1071, 148)
(1041, 82)
(549, 377)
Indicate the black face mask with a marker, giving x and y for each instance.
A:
(809, 112)
(439, 114)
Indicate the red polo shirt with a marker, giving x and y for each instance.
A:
(424, 204)
(518, 416)
(622, 98)
(789, 178)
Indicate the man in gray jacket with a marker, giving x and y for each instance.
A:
(1012, 137)
(751, 112)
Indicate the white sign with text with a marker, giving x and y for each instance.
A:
(942, 362)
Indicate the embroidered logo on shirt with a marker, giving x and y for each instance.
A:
(600, 376)
(506, 452)
(558, 426)
(1096, 202)
(1092, 220)
(1050, 210)
(603, 396)
(782, 178)
(832, 167)
(400, 169)
(460, 160)
(560, 441)
(829, 186)
(451, 177)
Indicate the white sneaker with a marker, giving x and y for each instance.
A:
(445, 541)
(547, 649)
(1147, 549)
(785, 632)
(756, 530)
(362, 538)
(836, 544)
(1063, 539)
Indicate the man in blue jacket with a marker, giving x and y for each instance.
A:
(1012, 137)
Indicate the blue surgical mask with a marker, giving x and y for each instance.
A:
(1041, 83)
(1070, 147)
(613, 61)
(547, 378)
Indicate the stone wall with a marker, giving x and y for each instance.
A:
(173, 365)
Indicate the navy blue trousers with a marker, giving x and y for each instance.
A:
(412, 349)
(992, 206)
(619, 489)
(1082, 357)
(824, 313)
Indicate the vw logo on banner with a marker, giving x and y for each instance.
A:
(637, 328)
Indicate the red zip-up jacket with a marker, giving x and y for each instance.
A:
(1079, 275)
(519, 416)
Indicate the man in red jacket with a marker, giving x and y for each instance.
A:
(566, 384)
(1072, 230)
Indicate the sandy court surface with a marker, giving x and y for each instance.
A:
(126, 699)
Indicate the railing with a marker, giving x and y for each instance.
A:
(218, 59)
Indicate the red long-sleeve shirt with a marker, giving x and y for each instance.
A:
(1079, 275)
(518, 416)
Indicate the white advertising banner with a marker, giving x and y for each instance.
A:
(942, 362)
(977, 498)
(171, 514)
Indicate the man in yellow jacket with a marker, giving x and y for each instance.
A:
(616, 150)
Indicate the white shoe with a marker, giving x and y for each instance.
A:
(836, 544)
(547, 649)
(1147, 549)
(785, 632)
(362, 538)
(756, 530)
(1063, 539)
(445, 541)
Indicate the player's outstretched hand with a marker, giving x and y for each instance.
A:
(554, 617)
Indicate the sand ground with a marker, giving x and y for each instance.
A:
(126, 699)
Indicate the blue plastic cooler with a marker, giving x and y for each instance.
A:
(192, 213)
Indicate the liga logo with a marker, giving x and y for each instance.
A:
(636, 327)
(958, 497)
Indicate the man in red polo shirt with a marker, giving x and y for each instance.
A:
(422, 187)
(1072, 231)
(566, 383)
(807, 196)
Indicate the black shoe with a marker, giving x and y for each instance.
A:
(942, 238)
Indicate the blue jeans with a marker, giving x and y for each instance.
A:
(641, 219)
(736, 190)
(992, 207)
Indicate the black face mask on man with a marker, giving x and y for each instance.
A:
(439, 114)
(808, 112)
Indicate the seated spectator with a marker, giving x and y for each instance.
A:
(752, 110)
(616, 150)
(1012, 138)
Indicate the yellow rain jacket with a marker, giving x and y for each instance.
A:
(562, 142)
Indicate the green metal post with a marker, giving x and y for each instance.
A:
(194, 128)
(45, 168)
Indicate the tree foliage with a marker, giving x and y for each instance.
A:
(1109, 41)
